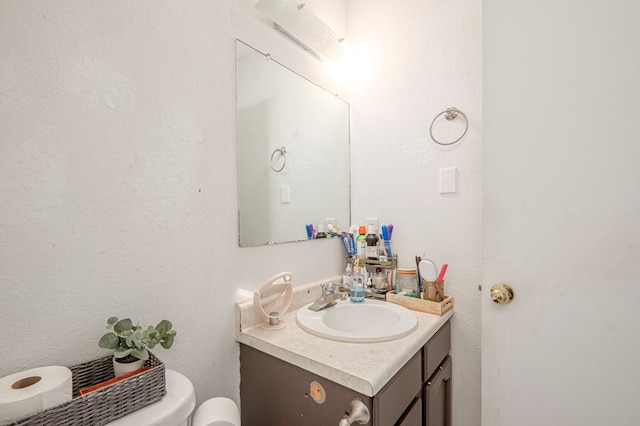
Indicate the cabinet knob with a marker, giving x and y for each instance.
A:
(359, 413)
(501, 293)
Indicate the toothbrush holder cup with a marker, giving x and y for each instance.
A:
(433, 290)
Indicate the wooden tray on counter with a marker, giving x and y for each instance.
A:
(421, 305)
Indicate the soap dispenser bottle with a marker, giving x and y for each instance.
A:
(356, 292)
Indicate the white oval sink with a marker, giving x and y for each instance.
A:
(370, 321)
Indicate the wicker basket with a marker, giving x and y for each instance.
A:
(105, 404)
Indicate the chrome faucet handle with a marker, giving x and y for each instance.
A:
(329, 297)
(328, 288)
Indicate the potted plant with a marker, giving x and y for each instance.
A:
(130, 343)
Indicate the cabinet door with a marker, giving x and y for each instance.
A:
(276, 393)
(437, 397)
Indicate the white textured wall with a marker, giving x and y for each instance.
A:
(425, 56)
(118, 180)
(118, 162)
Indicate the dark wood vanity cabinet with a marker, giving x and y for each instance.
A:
(437, 376)
(398, 402)
(276, 393)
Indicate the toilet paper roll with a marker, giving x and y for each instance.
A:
(31, 391)
(218, 410)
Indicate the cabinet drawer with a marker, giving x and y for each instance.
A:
(398, 394)
(413, 416)
(436, 349)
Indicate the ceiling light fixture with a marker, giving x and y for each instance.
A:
(303, 27)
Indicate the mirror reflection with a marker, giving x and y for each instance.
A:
(293, 152)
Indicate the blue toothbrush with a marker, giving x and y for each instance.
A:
(386, 237)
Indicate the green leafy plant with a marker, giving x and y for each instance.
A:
(131, 342)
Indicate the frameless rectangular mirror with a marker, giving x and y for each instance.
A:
(293, 152)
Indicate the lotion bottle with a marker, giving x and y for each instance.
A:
(361, 243)
(372, 244)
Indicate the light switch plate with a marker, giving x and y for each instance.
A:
(448, 180)
(373, 221)
(284, 194)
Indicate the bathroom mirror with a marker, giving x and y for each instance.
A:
(293, 152)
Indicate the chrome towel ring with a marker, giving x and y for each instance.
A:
(283, 153)
(450, 114)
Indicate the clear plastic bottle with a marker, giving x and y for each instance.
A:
(347, 278)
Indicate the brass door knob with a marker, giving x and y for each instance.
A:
(501, 293)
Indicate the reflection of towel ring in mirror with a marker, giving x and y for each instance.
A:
(283, 153)
(450, 114)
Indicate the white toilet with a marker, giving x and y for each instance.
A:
(176, 407)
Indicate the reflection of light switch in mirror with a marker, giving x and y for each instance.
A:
(373, 221)
(448, 180)
(284, 194)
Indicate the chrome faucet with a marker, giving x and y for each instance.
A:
(330, 296)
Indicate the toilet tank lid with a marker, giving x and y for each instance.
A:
(173, 409)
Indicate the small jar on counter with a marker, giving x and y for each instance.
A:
(407, 282)
(381, 281)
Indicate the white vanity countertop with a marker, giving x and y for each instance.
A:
(363, 367)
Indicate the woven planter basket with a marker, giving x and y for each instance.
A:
(105, 404)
